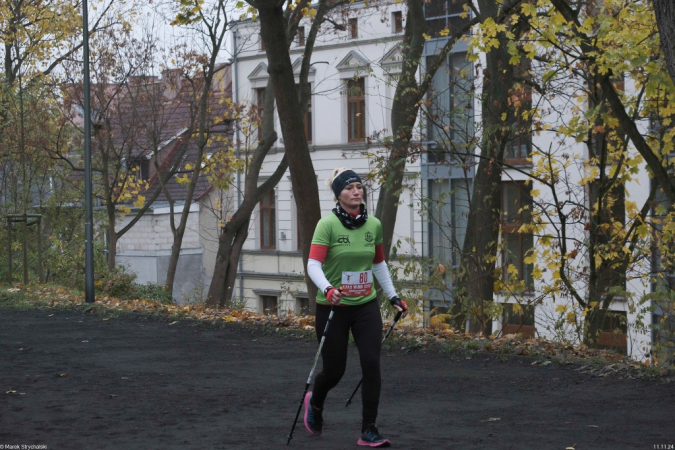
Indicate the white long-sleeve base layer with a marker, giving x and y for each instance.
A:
(380, 270)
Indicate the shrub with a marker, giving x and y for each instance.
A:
(152, 291)
(118, 284)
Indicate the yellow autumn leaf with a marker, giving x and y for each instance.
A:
(531, 258)
(140, 201)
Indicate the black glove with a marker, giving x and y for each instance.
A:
(395, 301)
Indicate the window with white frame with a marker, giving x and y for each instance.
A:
(519, 148)
(267, 219)
(353, 28)
(356, 109)
(397, 22)
(260, 109)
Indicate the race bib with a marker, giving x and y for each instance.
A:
(357, 284)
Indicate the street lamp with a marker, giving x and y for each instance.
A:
(89, 295)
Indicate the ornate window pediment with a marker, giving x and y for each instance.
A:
(353, 64)
(392, 62)
(297, 65)
(259, 76)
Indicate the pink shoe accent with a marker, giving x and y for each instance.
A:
(307, 406)
(384, 443)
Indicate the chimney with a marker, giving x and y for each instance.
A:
(172, 80)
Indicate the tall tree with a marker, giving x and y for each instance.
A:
(130, 110)
(406, 106)
(475, 290)
(236, 230)
(274, 32)
(658, 165)
(604, 40)
(37, 36)
(212, 22)
(483, 228)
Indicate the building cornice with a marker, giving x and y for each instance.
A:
(271, 276)
(318, 48)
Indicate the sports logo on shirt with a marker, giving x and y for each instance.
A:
(369, 237)
(343, 239)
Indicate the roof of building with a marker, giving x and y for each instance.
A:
(151, 118)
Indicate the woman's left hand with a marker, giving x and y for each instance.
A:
(399, 305)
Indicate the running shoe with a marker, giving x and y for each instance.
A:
(313, 417)
(372, 438)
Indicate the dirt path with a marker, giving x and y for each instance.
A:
(75, 381)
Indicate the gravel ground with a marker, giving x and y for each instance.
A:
(71, 380)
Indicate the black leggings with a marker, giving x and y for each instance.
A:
(365, 322)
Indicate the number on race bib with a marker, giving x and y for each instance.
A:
(357, 284)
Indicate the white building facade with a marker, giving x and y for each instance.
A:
(346, 129)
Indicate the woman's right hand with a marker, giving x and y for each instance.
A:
(334, 296)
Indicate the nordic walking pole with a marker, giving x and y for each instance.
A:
(398, 316)
(311, 374)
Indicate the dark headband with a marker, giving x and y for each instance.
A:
(341, 181)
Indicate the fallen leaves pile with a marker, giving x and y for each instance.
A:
(57, 297)
(404, 337)
(601, 363)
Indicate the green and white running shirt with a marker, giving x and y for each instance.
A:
(349, 260)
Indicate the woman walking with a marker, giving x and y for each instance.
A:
(346, 252)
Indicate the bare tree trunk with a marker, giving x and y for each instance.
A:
(303, 180)
(231, 274)
(225, 272)
(665, 20)
(220, 290)
(404, 112)
(223, 279)
(112, 242)
(233, 236)
(475, 287)
(476, 283)
(216, 35)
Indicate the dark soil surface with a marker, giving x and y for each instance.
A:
(70, 380)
